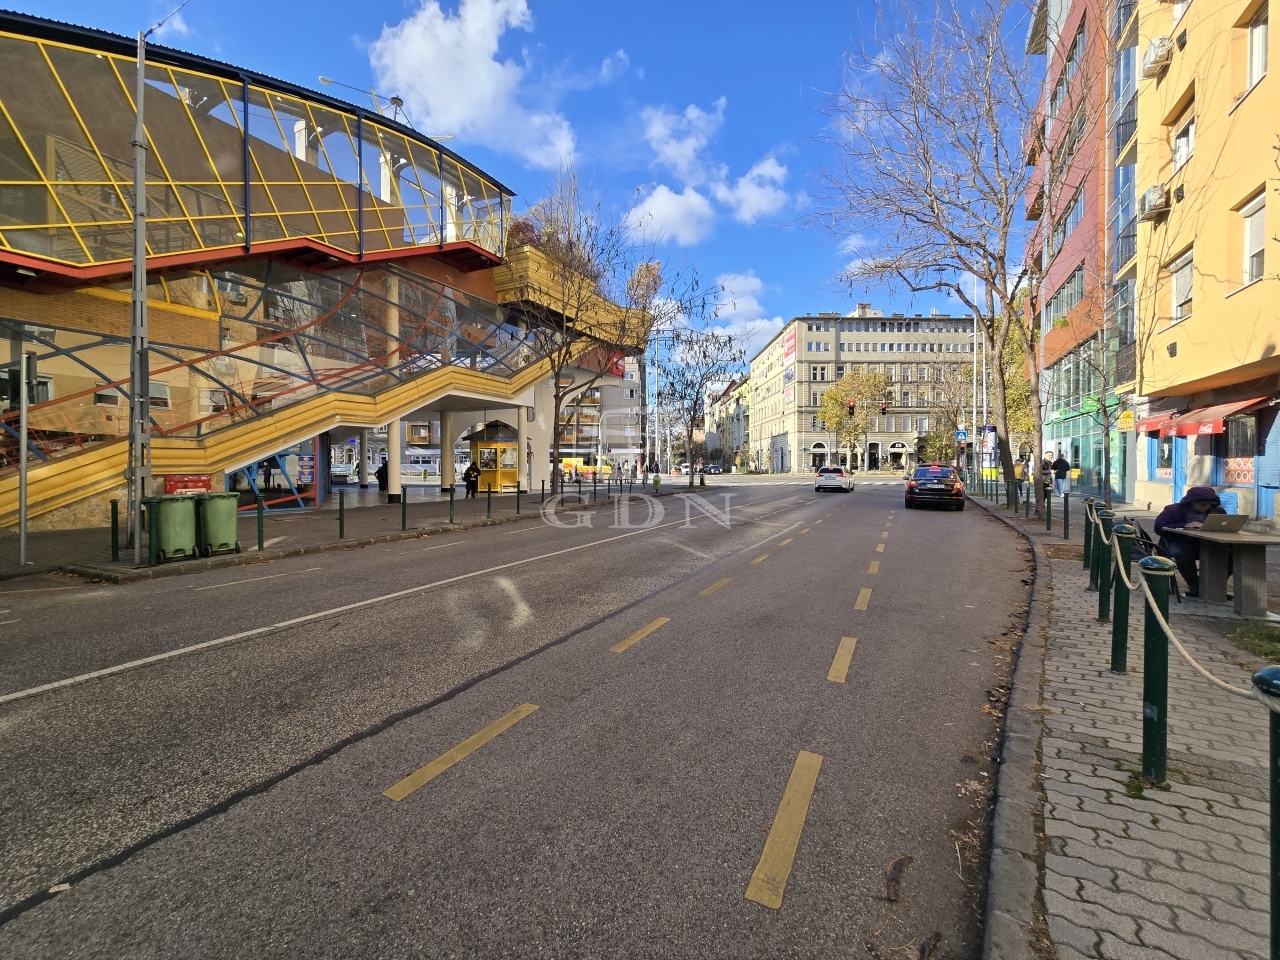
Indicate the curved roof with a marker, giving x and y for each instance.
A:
(313, 171)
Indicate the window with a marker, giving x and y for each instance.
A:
(888, 424)
(1253, 217)
(1258, 47)
(906, 398)
(108, 397)
(631, 393)
(1241, 437)
(1184, 141)
(923, 424)
(813, 423)
(1065, 298)
(1067, 222)
(1181, 271)
(839, 371)
(631, 374)
(1179, 8)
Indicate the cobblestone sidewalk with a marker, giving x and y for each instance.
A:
(1130, 872)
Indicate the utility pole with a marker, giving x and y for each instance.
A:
(26, 362)
(139, 470)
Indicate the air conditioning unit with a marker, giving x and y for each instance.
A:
(1153, 203)
(1156, 59)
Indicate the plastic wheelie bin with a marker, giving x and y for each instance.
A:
(173, 525)
(218, 517)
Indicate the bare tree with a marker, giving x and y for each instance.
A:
(947, 398)
(591, 292)
(697, 359)
(948, 150)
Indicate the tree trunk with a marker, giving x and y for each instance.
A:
(557, 400)
(1037, 416)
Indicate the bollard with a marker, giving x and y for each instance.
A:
(115, 530)
(488, 501)
(1266, 687)
(1026, 503)
(544, 492)
(1124, 533)
(1087, 557)
(1048, 511)
(1008, 495)
(153, 534)
(404, 508)
(580, 491)
(261, 507)
(593, 488)
(451, 504)
(517, 499)
(1066, 516)
(1102, 547)
(1155, 671)
(342, 514)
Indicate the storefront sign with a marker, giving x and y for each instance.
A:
(1238, 471)
(306, 468)
(1124, 423)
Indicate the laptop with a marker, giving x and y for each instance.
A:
(1224, 523)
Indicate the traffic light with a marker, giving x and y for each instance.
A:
(853, 407)
(884, 407)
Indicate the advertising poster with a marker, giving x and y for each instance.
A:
(306, 468)
(789, 347)
(789, 395)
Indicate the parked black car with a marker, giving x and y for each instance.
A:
(935, 483)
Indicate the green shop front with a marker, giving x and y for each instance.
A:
(1076, 433)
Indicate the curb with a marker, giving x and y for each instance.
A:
(1014, 876)
(119, 576)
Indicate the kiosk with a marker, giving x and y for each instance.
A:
(496, 449)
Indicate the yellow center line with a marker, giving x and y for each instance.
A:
(715, 586)
(232, 583)
(440, 764)
(875, 567)
(816, 522)
(806, 529)
(885, 535)
(888, 524)
(864, 597)
(770, 877)
(829, 514)
(879, 548)
(639, 635)
(763, 556)
(786, 541)
(840, 665)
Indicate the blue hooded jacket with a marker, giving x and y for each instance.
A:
(1177, 515)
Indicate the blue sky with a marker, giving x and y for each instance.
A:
(703, 116)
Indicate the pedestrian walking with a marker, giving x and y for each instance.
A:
(1061, 475)
(382, 473)
(472, 479)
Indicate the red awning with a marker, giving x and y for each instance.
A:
(1153, 423)
(1206, 420)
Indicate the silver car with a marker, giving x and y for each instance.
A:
(833, 478)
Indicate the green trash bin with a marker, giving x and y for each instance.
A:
(218, 516)
(175, 526)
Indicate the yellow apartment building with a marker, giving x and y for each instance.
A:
(1208, 295)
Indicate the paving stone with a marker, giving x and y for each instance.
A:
(1081, 869)
(1113, 948)
(1090, 916)
(1067, 936)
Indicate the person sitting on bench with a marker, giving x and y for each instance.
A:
(1187, 514)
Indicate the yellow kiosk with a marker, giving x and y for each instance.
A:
(496, 450)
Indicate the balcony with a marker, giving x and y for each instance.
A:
(1126, 245)
(1126, 125)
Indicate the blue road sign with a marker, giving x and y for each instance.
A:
(962, 436)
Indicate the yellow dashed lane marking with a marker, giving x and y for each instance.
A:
(763, 556)
(816, 522)
(879, 548)
(885, 535)
(806, 529)
(639, 635)
(447, 759)
(875, 567)
(786, 541)
(770, 877)
(864, 597)
(715, 586)
(887, 524)
(840, 665)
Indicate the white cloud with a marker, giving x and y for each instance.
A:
(678, 139)
(663, 214)
(739, 312)
(175, 26)
(446, 67)
(755, 194)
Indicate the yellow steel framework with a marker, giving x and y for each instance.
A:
(230, 164)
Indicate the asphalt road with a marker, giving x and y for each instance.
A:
(229, 802)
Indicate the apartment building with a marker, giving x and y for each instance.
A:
(728, 421)
(810, 353)
(1206, 285)
(1081, 251)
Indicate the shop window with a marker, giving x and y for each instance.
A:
(1242, 438)
(1160, 458)
(1253, 221)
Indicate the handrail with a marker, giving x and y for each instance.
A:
(1114, 544)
